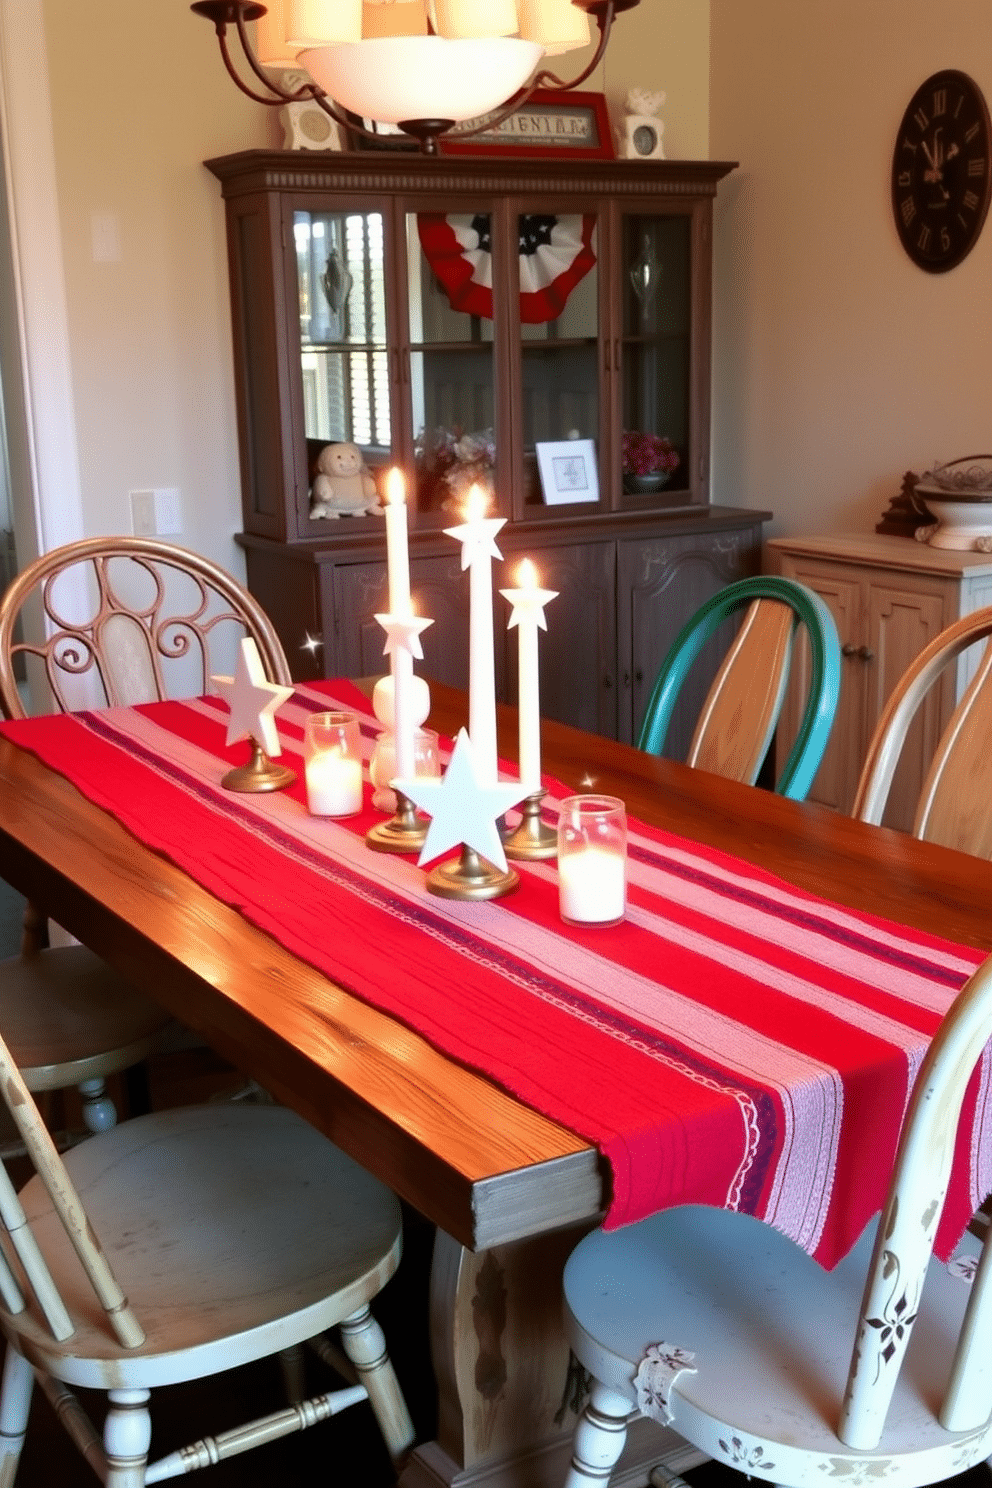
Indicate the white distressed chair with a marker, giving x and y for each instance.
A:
(178, 1245)
(880, 1370)
(955, 805)
(119, 620)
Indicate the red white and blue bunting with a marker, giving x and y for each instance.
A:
(555, 254)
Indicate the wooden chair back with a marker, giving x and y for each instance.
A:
(126, 620)
(51, 1170)
(955, 804)
(741, 711)
(905, 1238)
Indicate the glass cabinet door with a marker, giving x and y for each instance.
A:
(656, 351)
(343, 334)
(559, 350)
(450, 377)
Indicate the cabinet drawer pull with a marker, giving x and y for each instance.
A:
(866, 653)
(607, 680)
(849, 649)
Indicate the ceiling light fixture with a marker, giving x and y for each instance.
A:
(423, 65)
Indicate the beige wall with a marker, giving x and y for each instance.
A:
(138, 103)
(137, 106)
(839, 364)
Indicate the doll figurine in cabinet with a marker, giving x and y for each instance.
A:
(343, 485)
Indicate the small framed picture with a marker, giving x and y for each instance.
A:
(568, 471)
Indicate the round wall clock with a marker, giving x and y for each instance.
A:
(942, 171)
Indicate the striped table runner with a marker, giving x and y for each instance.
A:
(734, 1042)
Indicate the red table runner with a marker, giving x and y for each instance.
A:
(735, 1041)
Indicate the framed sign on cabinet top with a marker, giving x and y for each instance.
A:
(551, 124)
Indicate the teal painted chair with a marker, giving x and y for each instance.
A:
(742, 708)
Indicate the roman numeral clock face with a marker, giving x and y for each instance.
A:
(942, 171)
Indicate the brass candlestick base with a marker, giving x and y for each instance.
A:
(259, 774)
(531, 838)
(471, 877)
(404, 832)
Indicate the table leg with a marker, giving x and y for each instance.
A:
(508, 1400)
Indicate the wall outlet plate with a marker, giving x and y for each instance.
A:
(157, 512)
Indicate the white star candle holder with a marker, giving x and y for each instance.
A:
(402, 833)
(253, 701)
(533, 838)
(463, 813)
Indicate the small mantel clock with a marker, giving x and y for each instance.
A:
(942, 171)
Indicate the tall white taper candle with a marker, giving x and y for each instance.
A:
(397, 551)
(477, 536)
(527, 615)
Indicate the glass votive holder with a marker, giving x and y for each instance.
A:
(426, 765)
(592, 860)
(332, 759)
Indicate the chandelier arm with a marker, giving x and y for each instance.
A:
(239, 83)
(299, 95)
(604, 21)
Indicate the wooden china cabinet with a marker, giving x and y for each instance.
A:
(451, 316)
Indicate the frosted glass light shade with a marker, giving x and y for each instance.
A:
(558, 25)
(475, 18)
(403, 18)
(315, 23)
(270, 37)
(394, 78)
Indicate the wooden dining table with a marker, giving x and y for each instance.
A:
(508, 1189)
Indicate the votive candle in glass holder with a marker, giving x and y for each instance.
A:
(426, 764)
(332, 757)
(592, 860)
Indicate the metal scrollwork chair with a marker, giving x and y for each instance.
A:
(117, 620)
(741, 711)
(176, 1246)
(875, 1371)
(955, 804)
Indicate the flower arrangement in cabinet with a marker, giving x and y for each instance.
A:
(450, 461)
(648, 461)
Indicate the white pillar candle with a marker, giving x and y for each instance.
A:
(332, 762)
(397, 551)
(334, 785)
(592, 886)
(527, 615)
(592, 860)
(477, 535)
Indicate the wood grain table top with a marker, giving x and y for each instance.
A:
(481, 1165)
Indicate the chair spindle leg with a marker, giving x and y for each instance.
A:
(291, 1364)
(365, 1344)
(599, 1438)
(15, 1405)
(99, 1112)
(127, 1435)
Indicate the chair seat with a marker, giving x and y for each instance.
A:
(771, 1334)
(233, 1231)
(67, 1017)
